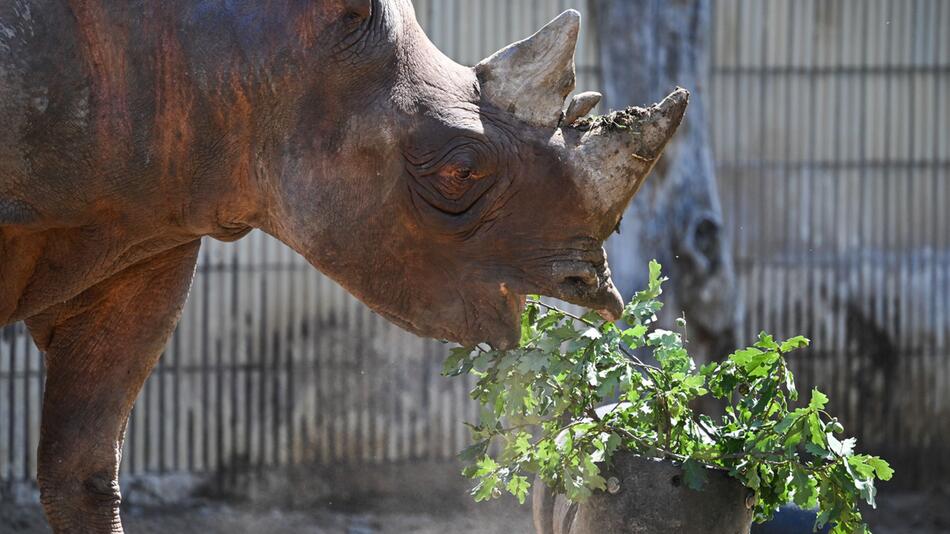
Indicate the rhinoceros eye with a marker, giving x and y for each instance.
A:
(462, 173)
(454, 178)
(457, 177)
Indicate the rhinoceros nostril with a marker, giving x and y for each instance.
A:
(576, 274)
(586, 279)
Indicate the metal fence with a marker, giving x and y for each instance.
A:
(830, 128)
(272, 365)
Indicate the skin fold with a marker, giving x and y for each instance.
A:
(438, 194)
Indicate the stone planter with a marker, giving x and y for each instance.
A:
(649, 497)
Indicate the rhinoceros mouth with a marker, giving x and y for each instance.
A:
(494, 318)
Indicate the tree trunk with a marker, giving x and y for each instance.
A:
(648, 47)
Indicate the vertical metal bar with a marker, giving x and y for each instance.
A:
(276, 415)
(843, 272)
(322, 370)
(220, 277)
(914, 269)
(249, 365)
(218, 407)
(191, 441)
(158, 377)
(785, 269)
(373, 385)
(289, 419)
(11, 400)
(14, 386)
(136, 460)
(309, 333)
(935, 239)
(250, 370)
(234, 362)
(26, 410)
(204, 327)
(307, 373)
(333, 395)
(424, 419)
(432, 407)
(176, 401)
(354, 374)
(813, 196)
(740, 191)
(853, 408)
(873, 297)
(765, 222)
(42, 363)
(262, 359)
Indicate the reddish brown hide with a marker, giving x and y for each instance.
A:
(438, 194)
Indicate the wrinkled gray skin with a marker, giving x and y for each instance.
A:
(437, 194)
(677, 217)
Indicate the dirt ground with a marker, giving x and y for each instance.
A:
(217, 518)
(904, 513)
(397, 502)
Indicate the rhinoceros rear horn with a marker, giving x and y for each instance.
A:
(531, 78)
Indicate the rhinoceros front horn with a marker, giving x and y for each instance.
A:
(531, 78)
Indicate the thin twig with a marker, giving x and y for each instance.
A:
(636, 360)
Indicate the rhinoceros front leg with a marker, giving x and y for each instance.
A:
(100, 347)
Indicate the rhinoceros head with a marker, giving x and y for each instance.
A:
(440, 195)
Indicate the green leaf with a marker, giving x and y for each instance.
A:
(754, 361)
(532, 361)
(633, 336)
(485, 466)
(474, 451)
(797, 342)
(694, 474)
(656, 271)
(818, 400)
(787, 422)
(455, 363)
(790, 385)
(805, 487)
(860, 466)
(817, 431)
(486, 489)
(518, 486)
(522, 445)
(568, 367)
(766, 342)
(613, 442)
(881, 467)
(694, 381)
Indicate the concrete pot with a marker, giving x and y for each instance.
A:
(648, 496)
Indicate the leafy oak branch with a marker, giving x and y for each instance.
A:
(539, 414)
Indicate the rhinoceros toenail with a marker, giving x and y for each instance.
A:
(613, 485)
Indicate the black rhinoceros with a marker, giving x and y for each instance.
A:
(436, 193)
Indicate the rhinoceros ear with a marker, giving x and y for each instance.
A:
(531, 78)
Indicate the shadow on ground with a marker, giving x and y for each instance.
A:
(432, 500)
